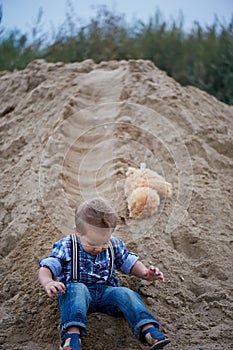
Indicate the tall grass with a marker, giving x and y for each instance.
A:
(202, 58)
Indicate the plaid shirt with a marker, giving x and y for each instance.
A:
(93, 268)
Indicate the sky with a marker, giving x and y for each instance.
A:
(22, 14)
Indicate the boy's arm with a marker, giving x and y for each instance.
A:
(52, 287)
(151, 273)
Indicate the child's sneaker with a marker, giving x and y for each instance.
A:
(71, 341)
(155, 338)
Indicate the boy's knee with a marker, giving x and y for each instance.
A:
(77, 287)
(126, 292)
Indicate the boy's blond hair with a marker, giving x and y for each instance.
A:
(95, 213)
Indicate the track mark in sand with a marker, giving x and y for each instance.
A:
(89, 165)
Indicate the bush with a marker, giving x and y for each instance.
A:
(202, 58)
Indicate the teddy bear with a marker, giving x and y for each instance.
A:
(143, 190)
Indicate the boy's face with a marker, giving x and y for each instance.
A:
(95, 240)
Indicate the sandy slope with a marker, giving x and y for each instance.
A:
(71, 131)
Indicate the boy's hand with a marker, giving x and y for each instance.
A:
(153, 273)
(53, 287)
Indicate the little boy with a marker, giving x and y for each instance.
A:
(96, 289)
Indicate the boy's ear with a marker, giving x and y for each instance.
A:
(76, 231)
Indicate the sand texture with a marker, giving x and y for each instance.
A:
(70, 131)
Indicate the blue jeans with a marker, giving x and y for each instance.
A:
(80, 300)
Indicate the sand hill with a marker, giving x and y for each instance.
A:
(69, 131)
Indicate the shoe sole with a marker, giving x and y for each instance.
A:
(160, 344)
